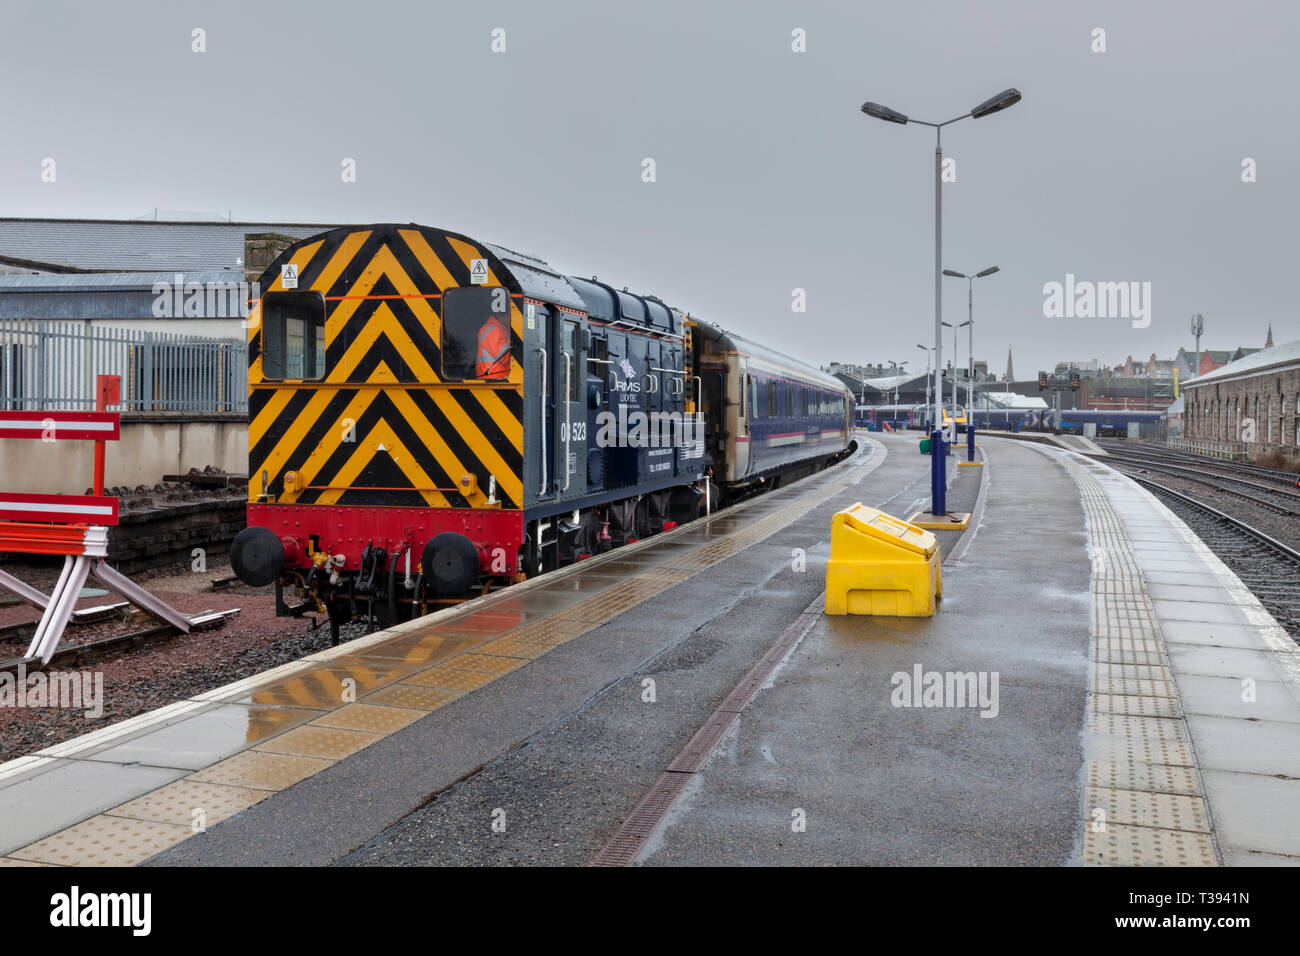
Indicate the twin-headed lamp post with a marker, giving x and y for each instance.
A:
(1001, 101)
(970, 321)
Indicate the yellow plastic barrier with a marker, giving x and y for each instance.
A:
(881, 565)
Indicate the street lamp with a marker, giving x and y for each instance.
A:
(970, 316)
(898, 367)
(928, 349)
(1008, 97)
(954, 371)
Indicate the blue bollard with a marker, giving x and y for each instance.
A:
(938, 479)
(970, 442)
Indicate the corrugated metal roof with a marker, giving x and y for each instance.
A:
(1012, 401)
(889, 383)
(118, 245)
(1274, 359)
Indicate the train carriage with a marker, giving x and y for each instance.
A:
(782, 416)
(431, 415)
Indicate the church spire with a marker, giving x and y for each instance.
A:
(1011, 375)
(1269, 343)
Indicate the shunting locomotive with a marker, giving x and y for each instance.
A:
(432, 416)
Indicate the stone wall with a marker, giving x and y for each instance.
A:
(1216, 411)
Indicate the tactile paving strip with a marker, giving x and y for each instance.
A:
(330, 743)
(1119, 845)
(463, 681)
(177, 802)
(1169, 811)
(1152, 672)
(1104, 682)
(482, 663)
(553, 631)
(105, 841)
(1136, 705)
(1144, 804)
(261, 770)
(511, 646)
(413, 696)
(1153, 777)
(369, 717)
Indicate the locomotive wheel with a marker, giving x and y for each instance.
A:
(450, 563)
(530, 558)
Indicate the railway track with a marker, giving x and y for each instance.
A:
(76, 655)
(1218, 483)
(1267, 566)
(1150, 453)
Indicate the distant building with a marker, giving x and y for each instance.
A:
(1091, 365)
(1259, 391)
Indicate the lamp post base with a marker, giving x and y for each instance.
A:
(938, 474)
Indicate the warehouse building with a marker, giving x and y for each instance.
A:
(1249, 405)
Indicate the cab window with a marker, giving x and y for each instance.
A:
(475, 334)
(293, 335)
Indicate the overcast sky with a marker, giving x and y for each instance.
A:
(1117, 166)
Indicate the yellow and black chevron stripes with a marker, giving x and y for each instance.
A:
(412, 437)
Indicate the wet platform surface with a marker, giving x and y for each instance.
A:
(525, 727)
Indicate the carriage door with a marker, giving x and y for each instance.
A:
(571, 391)
(596, 394)
(548, 363)
(747, 409)
(714, 386)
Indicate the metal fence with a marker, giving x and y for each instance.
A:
(53, 365)
(1211, 449)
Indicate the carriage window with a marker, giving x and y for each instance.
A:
(476, 334)
(293, 335)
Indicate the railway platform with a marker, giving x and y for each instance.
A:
(1097, 688)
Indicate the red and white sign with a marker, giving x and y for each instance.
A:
(58, 426)
(67, 509)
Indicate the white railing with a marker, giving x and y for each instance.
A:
(46, 366)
